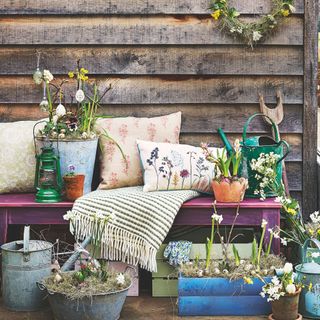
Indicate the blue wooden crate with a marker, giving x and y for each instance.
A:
(220, 297)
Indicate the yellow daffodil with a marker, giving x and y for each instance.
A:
(285, 12)
(84, 71)
(70, 74)
(216, 14)
(310, 286)
(247, 280)
(291, 211)
(83, 77)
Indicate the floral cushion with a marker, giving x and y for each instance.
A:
(117, 173)
(17, 157)
(175, 167)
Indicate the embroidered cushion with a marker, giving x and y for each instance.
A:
(117, 173)
(175, 167)
(17, 157)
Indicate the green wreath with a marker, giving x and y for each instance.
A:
(250, 32)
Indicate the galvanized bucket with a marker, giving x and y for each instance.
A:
(23, 264)
(252, 147)
(309, 273)
(105, 306)
(81, 154)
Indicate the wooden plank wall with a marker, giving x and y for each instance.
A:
(164, 56)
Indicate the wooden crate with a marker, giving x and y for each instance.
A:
(165, 280)
(221, 297)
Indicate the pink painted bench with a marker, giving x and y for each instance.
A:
(21, 209)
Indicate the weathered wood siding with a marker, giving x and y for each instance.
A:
(164, 56)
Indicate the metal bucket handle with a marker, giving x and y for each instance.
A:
(134, 273)
(305, 248)
(42, 287)
(274, 127)
(275, 130)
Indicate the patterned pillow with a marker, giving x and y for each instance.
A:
(175, 166)
(117, 173)
(17, 157)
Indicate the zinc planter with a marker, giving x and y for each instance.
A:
(105, 306)
(221, 297)
(79, 153)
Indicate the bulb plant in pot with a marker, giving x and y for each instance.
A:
(231, 285)
(95, 291)
(283, 291)
(73, 183)
(227, 186)
(71, 124)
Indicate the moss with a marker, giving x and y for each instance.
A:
(92, 285)
(233, 272)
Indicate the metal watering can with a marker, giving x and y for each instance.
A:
(23, 264)
(309, 272)
(253, 147)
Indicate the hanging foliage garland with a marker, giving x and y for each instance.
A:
(250, 32)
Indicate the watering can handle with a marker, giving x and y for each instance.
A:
(245, 128)
(305, 247)
(288, 149)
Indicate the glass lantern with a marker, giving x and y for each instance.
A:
(48, 176)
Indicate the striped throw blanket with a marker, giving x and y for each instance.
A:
(142, 221)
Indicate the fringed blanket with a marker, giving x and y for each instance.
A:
(142, 221)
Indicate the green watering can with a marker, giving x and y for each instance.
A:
(309, 273)
(252, 147)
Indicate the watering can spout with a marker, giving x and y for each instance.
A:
(225, 141)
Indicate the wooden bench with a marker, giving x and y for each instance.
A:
(21, 209)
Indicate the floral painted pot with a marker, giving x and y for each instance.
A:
(286, 308)
(229, 191)
(74, 186)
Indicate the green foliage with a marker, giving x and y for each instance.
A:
(254, 252)
(236, 255)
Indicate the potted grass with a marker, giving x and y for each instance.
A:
(95, 291)
(71, 128)
(230, 286)
(227, 185)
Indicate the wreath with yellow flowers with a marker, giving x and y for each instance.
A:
(250, 32)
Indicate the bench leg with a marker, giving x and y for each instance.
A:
(3, 225)
(273, 218)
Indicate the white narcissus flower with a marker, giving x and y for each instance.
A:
(60, 110)
(256, 35)
(264, 223)
(120, 279)
(284, 241)
(291, 288)
(80, 95)
(287, 267)
(315, 218)
(217, 218)
(47, 75)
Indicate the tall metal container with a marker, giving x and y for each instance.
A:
(22, 266)
(80, 153)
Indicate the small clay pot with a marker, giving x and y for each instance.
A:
(229, 191)
(74, 186)
(286, 308)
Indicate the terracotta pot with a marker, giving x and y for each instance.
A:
(74, 186)
(286, 308)
(229, 191)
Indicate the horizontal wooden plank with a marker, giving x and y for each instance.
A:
(100, 7)
(168, 90)
(192, 60)
(203, 118)
(156, 30)
(295, 141)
